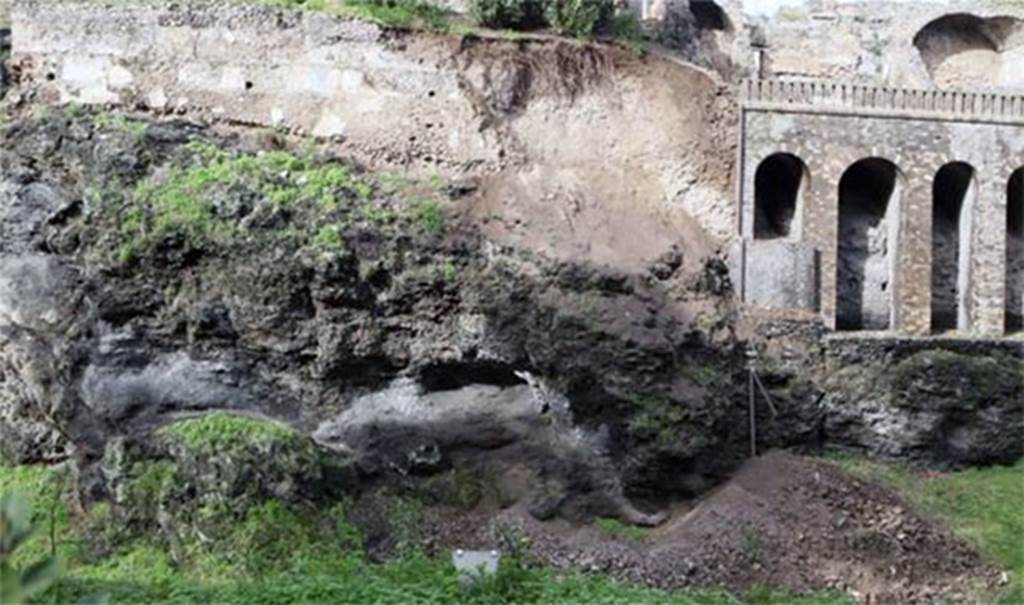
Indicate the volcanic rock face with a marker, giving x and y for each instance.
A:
(408, 344)
(152, 272)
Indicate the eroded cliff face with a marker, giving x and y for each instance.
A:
(520, 287)
(153, 271)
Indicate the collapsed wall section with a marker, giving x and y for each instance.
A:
(593, 137)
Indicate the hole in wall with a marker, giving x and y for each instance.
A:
(248, 85)
(868, 230)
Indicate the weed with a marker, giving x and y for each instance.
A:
(107, 121)
(449, 272)
(429, 215)
(626, 29)
(705, 376)
(404, 14)
(16, 586)
(73, 110)
(329, 239)
(657, 420)
(751, 544)
(617, 529)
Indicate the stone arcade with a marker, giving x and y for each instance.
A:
(882, 208)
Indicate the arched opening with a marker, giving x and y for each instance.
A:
(867, 248)
(708, 15)
(953, 194)
(1015, 252)
(961, 50)
(780, 183)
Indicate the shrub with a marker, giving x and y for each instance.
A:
(16, 586)
(579, 18)
(508, 14)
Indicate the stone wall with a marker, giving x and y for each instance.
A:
(919, 132)
(872, 41)
(777, 274)
(577, 128)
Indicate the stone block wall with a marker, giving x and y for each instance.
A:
(919, 132)
(873, 42)
(777, 274)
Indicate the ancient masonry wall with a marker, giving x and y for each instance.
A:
(652, 134)
(831, 126)
(305, 71)
(869, 41)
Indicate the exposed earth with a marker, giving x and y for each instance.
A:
(800, 524)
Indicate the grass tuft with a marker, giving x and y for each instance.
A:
(226, 431)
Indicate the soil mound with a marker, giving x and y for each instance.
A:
(784, 521)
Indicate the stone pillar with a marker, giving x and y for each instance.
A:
(912, 298)
(750, 165)
(988, 256)
(821, 226)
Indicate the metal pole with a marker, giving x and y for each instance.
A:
(753, 419)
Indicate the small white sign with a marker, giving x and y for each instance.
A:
(474, 564)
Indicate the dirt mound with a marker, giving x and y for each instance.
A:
(792, 523)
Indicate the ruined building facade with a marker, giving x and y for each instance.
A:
(881, 166)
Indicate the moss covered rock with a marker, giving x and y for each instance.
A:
(200, 475)
(938, 402)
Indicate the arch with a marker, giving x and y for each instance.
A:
(780, 185)
(1015, 252)
(954, 193)
(709, 15)
(961, 50)
(869, 200)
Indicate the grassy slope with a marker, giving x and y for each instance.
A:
(984, 506)
(275, 556)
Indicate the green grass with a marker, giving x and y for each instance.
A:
(982, 505)
(275, 555)
(226, 431)
(197, 203)
(402, 14)
(617, 529)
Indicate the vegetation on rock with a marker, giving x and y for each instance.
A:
(219, 431)
(212, 199)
